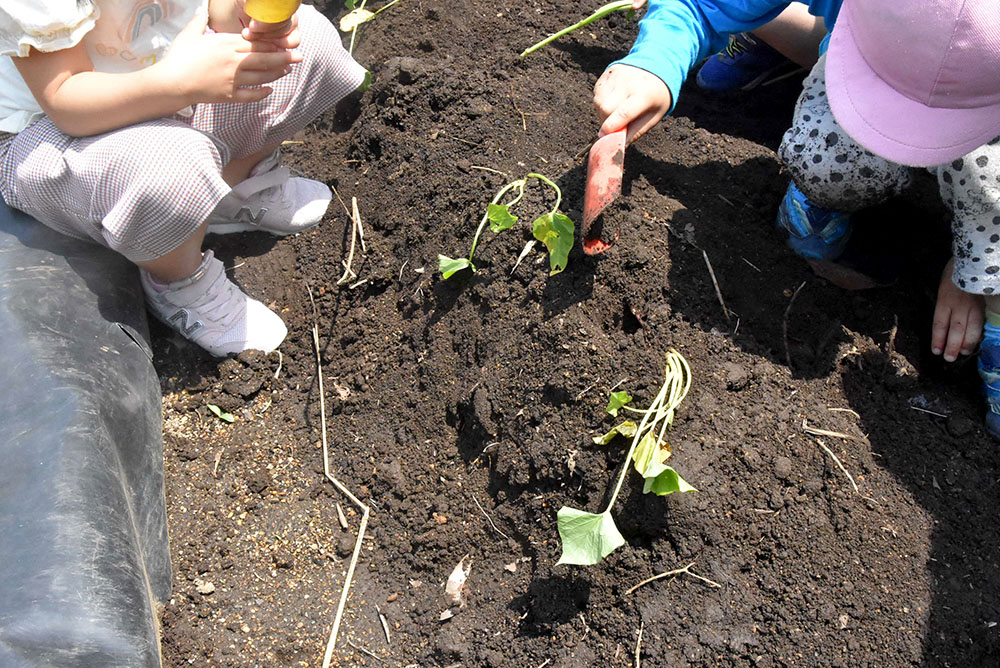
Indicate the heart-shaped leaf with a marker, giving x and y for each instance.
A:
(449, 266)
(617, 400)
(500, 217)
(626, 429)
(586, 538)
(555, 230)
(667, 482)
(355, 18)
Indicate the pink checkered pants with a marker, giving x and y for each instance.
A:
(142, 190)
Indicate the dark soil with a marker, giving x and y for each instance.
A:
(462, 411)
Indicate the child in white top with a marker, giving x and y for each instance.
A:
(144, 125)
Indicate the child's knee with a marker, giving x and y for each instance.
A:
(326, 62)
(835, 172)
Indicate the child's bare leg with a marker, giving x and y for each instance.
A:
(178, 263)
(239, 169)
(958, 318)
(795, 34)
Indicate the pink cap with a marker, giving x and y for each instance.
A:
(916, 81)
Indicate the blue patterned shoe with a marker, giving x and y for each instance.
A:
(989, 371)
(744, 64)
(812, 232)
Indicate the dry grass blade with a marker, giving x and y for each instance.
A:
(356, 215)
(677, 571)
(718, 291)
(839, 465)
(807, 428)
(348, 272)
(332, 642)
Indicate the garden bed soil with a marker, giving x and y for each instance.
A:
(462, 411)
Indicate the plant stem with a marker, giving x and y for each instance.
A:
(486, 216)
(606, 9)
(552, 185)
(676, 383)
(635, 441)
(354, 33)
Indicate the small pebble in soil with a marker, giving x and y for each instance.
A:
(959, 426)
(736, 376)
(782, 467)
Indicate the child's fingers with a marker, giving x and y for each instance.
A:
(270, 61)
(939, 327)
(973, 331)
(256, 78)
(633, 113)
(956, 335)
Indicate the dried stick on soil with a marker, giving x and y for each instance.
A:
(490, 519)
(348, 272)
(677, 571)
(784, 323)
(718, 292)
(341, 200)
(361, 228)
(839, 465)
(930, 412)
(332, 642)
(366, 651)
(638, 644)
(490, 169)
(823, 432)
(385, 625)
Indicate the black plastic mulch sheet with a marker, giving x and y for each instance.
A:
(83, 540)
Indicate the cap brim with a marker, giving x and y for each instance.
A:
(888, 123)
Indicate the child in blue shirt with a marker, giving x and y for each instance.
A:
(833, 174)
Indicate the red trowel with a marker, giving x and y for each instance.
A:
(605, 167)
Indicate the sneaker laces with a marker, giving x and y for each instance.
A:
(213, 302)
(266, 186)
(738, 44)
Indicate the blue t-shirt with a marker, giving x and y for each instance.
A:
(674, 35)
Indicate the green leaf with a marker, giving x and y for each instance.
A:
(626, 429)
(219, 413)
(500, 217)
(351, 4)
(555, 230)
(356, 17)
(366, 83)
(586, 538)
(617, 400)
(649, 456)
(448, 266)
(667, 482)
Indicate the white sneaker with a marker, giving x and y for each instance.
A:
(208, 309)
(271, 200)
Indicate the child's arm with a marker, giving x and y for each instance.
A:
(637, 91)
(199, 67)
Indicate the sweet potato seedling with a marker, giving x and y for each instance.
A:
(589, 537)
(553, 229)
(359, 15)
(618, 5)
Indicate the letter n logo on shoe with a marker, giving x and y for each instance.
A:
(181, 320)
(246, 215)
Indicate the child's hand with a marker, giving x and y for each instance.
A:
(222, 67)
(632, 97)
(958, 319)
(284, 35)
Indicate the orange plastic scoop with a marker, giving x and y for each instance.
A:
(605, 167)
